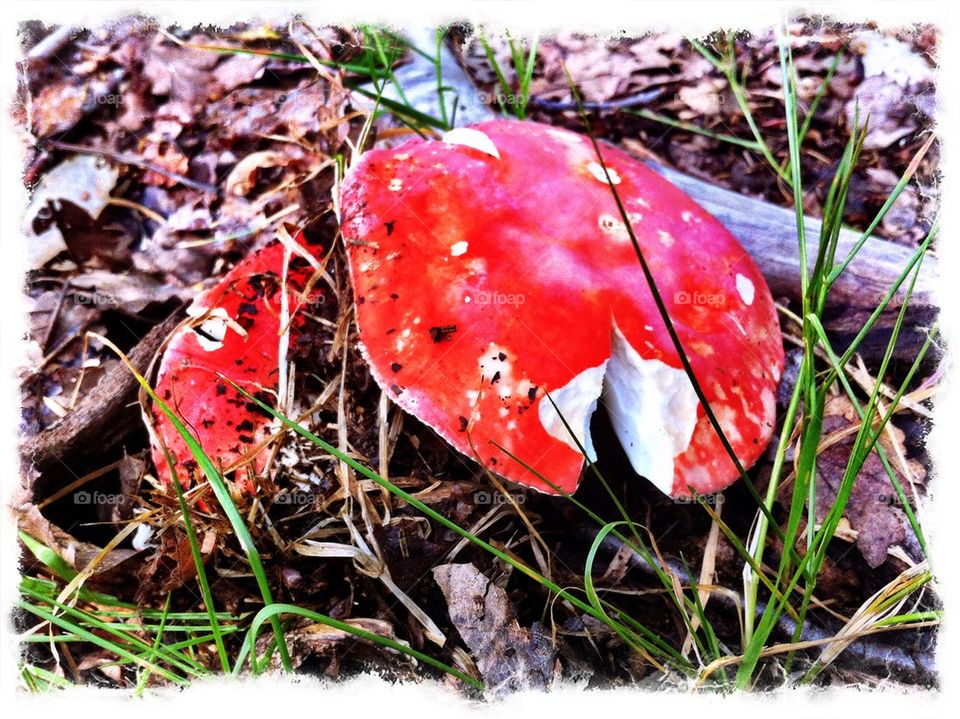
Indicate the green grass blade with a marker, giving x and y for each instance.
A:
(222, 494)
(112, 647)
(690, 127)
(416, 503)
(819, 95)
(728, 67)
(53, 561)
(205, 592)
(629, 638)
(38, 679)
(276, 610)
(665, 316)
(901, 184)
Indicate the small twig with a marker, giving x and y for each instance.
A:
(60, 347)
(52, 43)
(636, 100)
(131, 160)
(131, 205)
(54, 317)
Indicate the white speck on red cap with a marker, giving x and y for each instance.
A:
(746, 289)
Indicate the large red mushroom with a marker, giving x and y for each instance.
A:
(492, 267)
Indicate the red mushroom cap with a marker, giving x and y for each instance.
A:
(492, 267)
(235, 331)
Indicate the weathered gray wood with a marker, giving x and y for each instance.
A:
(767, 232)
(418, 79)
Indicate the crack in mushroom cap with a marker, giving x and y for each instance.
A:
(484, 281)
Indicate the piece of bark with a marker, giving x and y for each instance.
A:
(769, 234)
(103, 419)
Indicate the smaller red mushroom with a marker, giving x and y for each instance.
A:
(236, 329)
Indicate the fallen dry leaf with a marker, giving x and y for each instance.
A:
(181, 73)
(171, 565)
(167, 155)
(306, 639)
(705, 98)
(889, 110)
(510, 657)
(131, 292)
(239, 70)
(56, 108)
(74, 552)
(873, 509)
(82, 180)
(243, 176)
